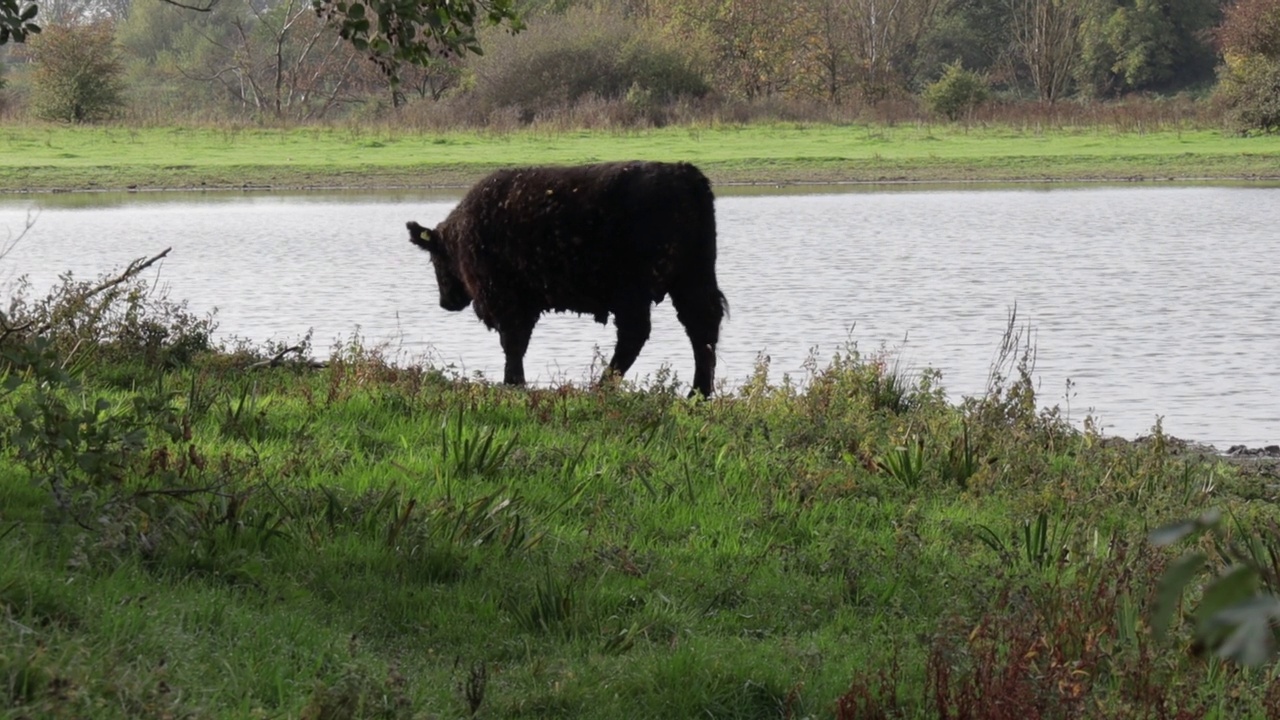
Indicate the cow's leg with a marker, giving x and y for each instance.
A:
(700, 310)
(515, 341)
(632, 322)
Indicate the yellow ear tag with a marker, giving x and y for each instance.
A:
(426, 236)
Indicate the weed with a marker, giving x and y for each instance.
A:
(472, 688)
(546, 608)
(905, 463)
(356, 692)
(1043, 542)
(467, 453)
(962, 457)
(244, 417)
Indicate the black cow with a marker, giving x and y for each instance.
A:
(596, 239)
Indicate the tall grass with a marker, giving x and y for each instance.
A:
(369, 540)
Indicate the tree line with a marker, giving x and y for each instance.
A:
(306, 60)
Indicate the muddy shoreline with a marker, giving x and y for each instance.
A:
(148, 179)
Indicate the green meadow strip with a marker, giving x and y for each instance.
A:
(47, 158)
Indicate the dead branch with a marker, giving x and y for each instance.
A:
(202, 7)
(133, 269)
(279, 359)
(5, 328)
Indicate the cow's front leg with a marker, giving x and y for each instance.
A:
(515, 341)
(633, 326)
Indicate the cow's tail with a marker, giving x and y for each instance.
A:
(724, 302)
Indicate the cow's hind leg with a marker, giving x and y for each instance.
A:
(515, 341)
(633, 326)
(700, 310)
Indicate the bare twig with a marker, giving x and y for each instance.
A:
(5, 328)
(202, 7)
(279, 359)
(133, 269)
(275, 361)
(12, 242)
(22, 629)
(185, 492)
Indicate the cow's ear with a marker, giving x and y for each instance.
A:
(425, 238)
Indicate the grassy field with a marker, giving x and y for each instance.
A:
(186, 535)
(54, 158)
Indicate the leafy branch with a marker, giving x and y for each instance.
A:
(1238, 609)
(392, 32)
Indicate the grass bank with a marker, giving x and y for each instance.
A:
(369, 542)
(196, 533)
(57, 158)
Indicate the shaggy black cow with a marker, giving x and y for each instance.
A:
(596, 239)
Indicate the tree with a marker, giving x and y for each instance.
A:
(747, 45)
(77, 73)
(390, 32)
(394, 32)
(1251, 27)
(580, 54)
(886, 37)
(1046, 35)
(827, 48)
(1138, 44)
(281, 61)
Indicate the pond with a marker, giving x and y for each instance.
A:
(1142, 300)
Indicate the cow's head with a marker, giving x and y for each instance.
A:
(453, 293)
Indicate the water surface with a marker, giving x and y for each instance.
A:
(1149, 300)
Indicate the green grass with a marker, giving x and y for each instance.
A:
(379, 542)
(35, 158)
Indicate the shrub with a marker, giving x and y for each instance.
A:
(77, 75)
(1250, 89)
(114, 318)
(580, 55)
(957, 92)
(1249, 79)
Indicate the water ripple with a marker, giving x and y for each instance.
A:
(1151, 300)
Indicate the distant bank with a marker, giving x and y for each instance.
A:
(36, 158)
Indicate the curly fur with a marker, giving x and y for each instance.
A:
(605, 239)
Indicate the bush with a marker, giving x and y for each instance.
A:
(583, 54)
(116, 318)
(1249, 79)
(957, 92)
(77, 75)
(1250, 89)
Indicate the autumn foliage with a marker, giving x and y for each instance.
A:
(1250, 76)
(77, 75)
